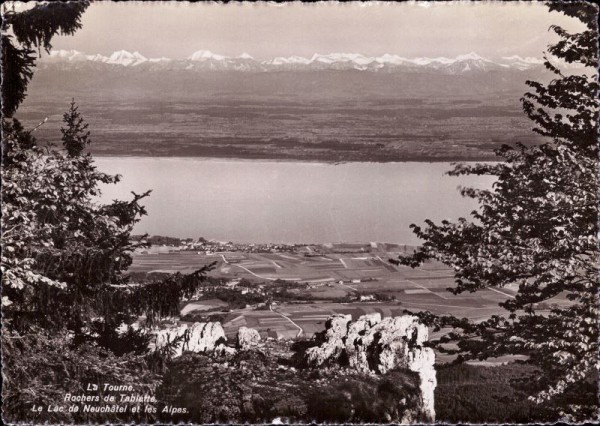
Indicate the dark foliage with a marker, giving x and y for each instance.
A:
(17, 70)
(40, 370)
(234, 298)
(67, 302)
(32, 29)
(75, 136)
(14, 136)
(255, 387)
(158, 240)
(477, 394)
(536, 229)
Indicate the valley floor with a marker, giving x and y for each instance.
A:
(321, 283)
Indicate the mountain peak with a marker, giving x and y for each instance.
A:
(124, 57)
(291, 60)
(207, 60)
(64, 53)
(97, 58)
(527, 59)
(203, 55)
(470, 56)
(121, 54)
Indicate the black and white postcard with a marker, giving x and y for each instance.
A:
(299, 212)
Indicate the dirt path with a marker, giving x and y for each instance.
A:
(300, 331)
(501, 292)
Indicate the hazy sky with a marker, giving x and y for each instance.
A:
(264, 30)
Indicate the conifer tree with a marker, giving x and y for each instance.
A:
(65, 288)
(75, 136)
(27, 32)
(537, 229)
(66, 295)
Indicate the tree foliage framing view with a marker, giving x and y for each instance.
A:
(65, 290)
(536, 229)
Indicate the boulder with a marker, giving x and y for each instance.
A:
(332, 341)
(356, 341)
(199, 337)
(421, 361)
(247, 338)
(204, 337)
(375, 345)
(337, 325)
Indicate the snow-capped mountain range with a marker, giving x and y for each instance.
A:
(207, 60)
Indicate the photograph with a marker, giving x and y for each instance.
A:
(260, 212)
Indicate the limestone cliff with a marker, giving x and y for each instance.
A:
(375, 345)
(199, 337)
(247, 338)
(369, 350)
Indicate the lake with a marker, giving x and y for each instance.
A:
(294, 202)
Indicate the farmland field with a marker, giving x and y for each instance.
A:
(328, 277)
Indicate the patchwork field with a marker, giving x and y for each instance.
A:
(373, 270)
(329, 277)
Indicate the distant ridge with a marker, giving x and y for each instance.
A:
(207, 60)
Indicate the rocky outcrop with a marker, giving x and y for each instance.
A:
(199, 337)
(421, 360)
(332, 342)
(247, 338)
(375, 345)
